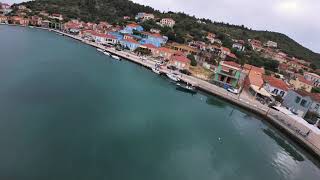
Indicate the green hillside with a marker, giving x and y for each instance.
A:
(186, 27)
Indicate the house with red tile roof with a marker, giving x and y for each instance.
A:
(179, 61)
(300, 83)
(163, 52)
(255, 44)
(275, 86)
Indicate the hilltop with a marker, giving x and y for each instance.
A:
(187, 26)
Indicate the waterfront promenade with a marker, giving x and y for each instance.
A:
(298, 131)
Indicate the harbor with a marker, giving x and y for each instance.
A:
(287, 125)
(71, 112)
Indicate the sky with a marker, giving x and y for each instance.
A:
(299, 19)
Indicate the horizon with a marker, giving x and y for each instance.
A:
(289, 17)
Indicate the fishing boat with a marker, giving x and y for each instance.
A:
(186, 88)
(156, 70)
(106, 53)
(173, 77)
(101, 50)
(115, 57)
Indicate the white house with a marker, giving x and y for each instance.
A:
(314, 78)
(275, 86)
(167, 22)
(239, 46)
(271, 44)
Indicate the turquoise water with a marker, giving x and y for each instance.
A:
(69, 112)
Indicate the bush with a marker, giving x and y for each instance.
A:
(193, 60)
(311, 117)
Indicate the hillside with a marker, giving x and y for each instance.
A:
(187, 26)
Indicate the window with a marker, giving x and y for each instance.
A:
(282, 93)
(317, 107)
(298, 99)
(304, 103)
(275, 91)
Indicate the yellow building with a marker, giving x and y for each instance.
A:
(301, 83)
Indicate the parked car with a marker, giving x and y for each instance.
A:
(172, 68)
(185, 71)
(232, 90)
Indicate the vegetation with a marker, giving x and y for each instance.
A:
(315, 90)
(187, 27)
(311, 117)
(193, 60)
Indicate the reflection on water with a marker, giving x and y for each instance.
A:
(215, 102)
(286, 146)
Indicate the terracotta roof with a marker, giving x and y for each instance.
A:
(133, 25)
(164, 49)
(231, 63)
(313, 96)
(255, 78)
(225, 49)
(303, 80)
(150, 46)
(275, 82)
(131, 41)
(180, 58)
(232, 56)
(249, 68)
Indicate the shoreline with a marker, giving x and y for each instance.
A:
(269, 115)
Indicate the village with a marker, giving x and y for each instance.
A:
(291, 89)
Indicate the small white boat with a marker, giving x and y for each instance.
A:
(155, 70)
(106, 53)
(101, 50)
(173, 77)
(115, 57)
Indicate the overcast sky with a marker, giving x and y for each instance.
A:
(299, 19)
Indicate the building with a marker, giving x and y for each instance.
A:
(163, 52)
(22, 7)
(132, 27)
(299, 102)
(300, 83)
(144, 16)
(271, 44)
(35, 21)
(3, 19)
(19, 20)
(153, 38)
(167, 22)
(153, 30)
(184, 49)
(56, 16)
(131, 44)
(239, 45)
(255, 44)
(314, 78)
(179, 61)
(275, 86)
(211, 37)
(44, 13)
(254, 83)
(228, 73)
(280, 57)
(4, 6)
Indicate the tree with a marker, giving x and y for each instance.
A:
(193, 60)
(311, 117)
(315, 90)
(142, 51)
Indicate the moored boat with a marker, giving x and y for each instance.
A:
(173, 77)
(156, 70)
(101, 50)
(186, 88)
(106, 53)
(115, 57)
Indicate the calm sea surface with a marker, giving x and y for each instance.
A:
(68, 112)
